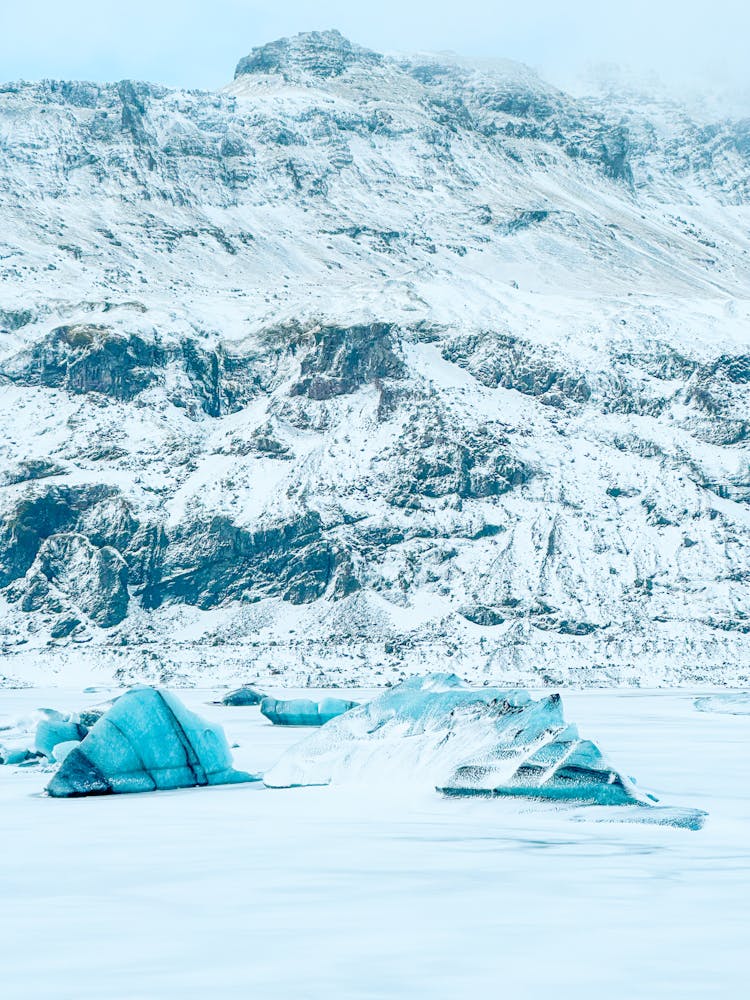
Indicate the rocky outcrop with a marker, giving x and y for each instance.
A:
(71, 574)
(507, 361)
(212, 563)
(321, 54)
(90, 358)
(38, 515)
(94, 579)
(368, 361)
(436, 459)
(339, 360)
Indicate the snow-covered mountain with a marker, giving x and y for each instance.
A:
(363, 364)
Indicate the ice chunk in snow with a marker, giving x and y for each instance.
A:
(61, 750)
(245, 695)
(420, 732)
(32, 737)
(565, 767)
(302, 712)
(15, 756)
(736, 703)
(148, 740)
(57, 728)
(686, 819)
(430, 733)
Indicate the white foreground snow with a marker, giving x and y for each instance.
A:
(309, 893)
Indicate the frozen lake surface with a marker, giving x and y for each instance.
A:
(240, 891)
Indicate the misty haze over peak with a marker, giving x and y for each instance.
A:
(191, 44)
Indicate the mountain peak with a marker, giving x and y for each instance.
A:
(317, 53)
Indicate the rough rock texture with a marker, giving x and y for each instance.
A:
(363, 364)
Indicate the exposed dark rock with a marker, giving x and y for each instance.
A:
(34, 593)
(90, 716)
(90, 359)
(576, 628)
(339, 360)
(33, 468)
(95, 579)
(269, 445)
(83, 359)
(523, 220)
(480, 614)
(14, 319)
(214, 562)
(243, 696)
(37, 515)
(64, 627)
(437, 462)
(319, 53)
(507, 362)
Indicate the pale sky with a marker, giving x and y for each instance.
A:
(197, 43)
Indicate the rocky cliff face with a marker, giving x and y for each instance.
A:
(366, 363)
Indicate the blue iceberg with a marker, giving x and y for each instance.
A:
(566, 767)
(18, 757)
(436, 733)
(148, 740)
(61, 750)
(49, 728)
(57, 728)
(245, 695)
(303, 712)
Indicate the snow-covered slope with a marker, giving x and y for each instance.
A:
(364, 364)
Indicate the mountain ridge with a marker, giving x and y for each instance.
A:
(426, 361)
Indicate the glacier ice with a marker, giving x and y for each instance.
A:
(61, 750)
(148, 740)
(303, 712)
(677, 816)
(566, 767)
(734, 703)
(57, 728)
(432, 732)
(17, 756)
(245, 695)
(34, 736)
